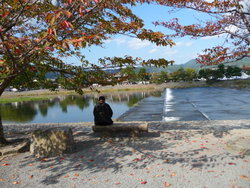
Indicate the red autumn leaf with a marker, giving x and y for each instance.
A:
(31, 176)
(5, 14)
(80, 10)
(49, 31)
(166, 184)
(136, 159)
(17, 51)
(30, 164)
(210, 171)
(90, 37)
(244, 177)
(90, 160)
(66, 24)
(232, 163)
(144, 182)
(5, 164)
(49, 48)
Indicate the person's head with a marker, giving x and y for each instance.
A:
(101, 99)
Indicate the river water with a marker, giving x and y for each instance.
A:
(187, 104)
(71, 108)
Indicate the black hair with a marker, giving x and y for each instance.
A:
(102, 98)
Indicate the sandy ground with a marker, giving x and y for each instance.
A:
(179, 154)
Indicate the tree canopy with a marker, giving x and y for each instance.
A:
(36, 37)
(227, 18)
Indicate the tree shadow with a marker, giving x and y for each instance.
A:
(94, 154)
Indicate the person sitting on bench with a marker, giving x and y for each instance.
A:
(102, 112)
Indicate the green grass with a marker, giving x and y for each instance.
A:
(22, 99)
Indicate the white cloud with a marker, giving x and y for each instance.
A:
(210, 37)
(137, 44)
(107, 41)
(170, 52)
(119, 41)
(152, 51)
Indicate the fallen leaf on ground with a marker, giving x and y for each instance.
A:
(2, 179)
(244, 177)
(5, 164)
(110, 141)
(166, 184)
(136, 159)
(30, 164)
(144, 182)
(31, 176)
(15, 182)
(173, 174)
(232, 163)
(44, 159)
(75, 174)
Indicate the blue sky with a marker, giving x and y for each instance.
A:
(185, 49)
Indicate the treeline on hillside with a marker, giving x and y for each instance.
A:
(188, 74)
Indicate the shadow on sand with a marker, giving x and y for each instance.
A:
(94, 154)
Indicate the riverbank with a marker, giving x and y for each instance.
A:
(174, 154)
(45, 94)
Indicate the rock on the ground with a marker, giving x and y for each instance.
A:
(51, 142)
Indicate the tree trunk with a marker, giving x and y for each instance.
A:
(3, 141)
(3, 86)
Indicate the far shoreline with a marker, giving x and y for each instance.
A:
(45, 93)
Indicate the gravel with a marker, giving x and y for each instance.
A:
(165, 157)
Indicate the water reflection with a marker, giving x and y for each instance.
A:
(71, 108)
(18, 113)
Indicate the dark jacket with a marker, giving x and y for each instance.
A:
(103, 114)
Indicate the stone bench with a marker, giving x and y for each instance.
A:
(134, 129)
(51, 142)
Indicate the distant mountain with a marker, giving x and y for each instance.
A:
(193, 64)
(172, 68)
